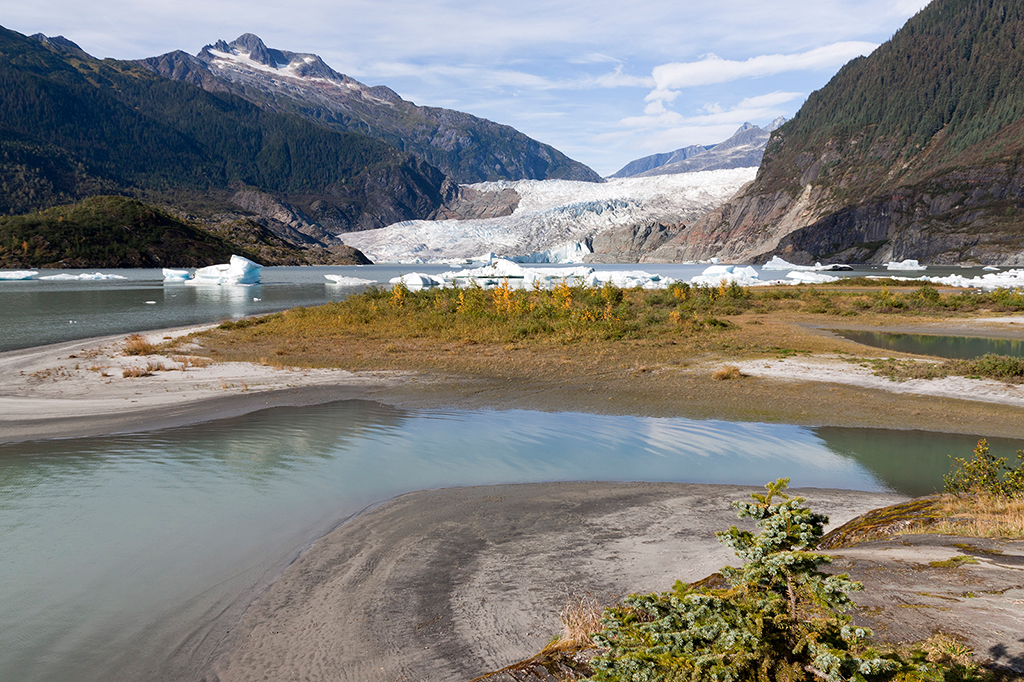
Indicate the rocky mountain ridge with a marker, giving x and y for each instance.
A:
(916, 151)
(467, 148)
(744, 149)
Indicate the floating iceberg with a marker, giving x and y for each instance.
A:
(716, 274)
(345, 281)
(417, 280)
(176, 275)
(84, 276)
(908, 264)
(15, 275)
(238, 271)
(777, 263)
(810, 277)
(990, 268)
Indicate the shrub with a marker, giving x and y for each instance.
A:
(726, 372)
(780, 618)
(986, 474)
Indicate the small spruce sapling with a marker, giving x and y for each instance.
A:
(781, 618)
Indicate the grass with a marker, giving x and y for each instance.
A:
(726, 372)
(981, 516)
(581, 618)
(137, 344)
(701, 319)
(999, 367)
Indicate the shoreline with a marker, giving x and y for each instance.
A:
(453, 583)
(76, 389)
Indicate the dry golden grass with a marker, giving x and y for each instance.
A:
(983, 516)
(726, 372)
(136, 344)
(135, 372)
(581, 618)
(187, 361)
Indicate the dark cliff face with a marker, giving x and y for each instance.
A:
(912, 152)
(467, 148)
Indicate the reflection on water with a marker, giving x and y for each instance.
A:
(956, 347)
(115, 547)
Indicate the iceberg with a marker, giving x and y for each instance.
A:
(344, 281)
(777, 263)
(716, 274)
(810, 277)
(176, 275)
(15, 275)
(238, 271)
(417, 280)
(907, 264)
(65, 277)
(990, 268)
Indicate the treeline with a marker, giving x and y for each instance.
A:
(107, 231)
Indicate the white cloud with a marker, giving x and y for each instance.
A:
(712, 69)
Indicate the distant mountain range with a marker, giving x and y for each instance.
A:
(466, 148)
(916, 151)
(248, 147)
(743, 150)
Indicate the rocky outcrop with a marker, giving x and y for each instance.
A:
(630, 244)
(470, 203)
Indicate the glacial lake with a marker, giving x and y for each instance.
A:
(119, 552)
(955, 347)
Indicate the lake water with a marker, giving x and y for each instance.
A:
(118, 552)
(956, 347)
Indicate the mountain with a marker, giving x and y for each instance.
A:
(72, 126)
(467, 148)
(743, 150)
(916, 151)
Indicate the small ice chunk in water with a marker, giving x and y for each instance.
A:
(238, 271)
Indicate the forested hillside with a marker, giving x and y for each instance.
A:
(912, 152)
(72, 126)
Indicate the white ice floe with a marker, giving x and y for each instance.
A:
(418, 280)
(14, 275)
(84, 276)
(176, 275)
(810, 277)
(907, 264)
(990, 268)
(345, 281)
(238, 271)
(777, 263)
(1008, 279)
(552, 213)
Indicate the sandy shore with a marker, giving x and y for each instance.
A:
(78, 389)
(450, 584)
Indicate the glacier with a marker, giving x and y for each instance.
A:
(552, 214)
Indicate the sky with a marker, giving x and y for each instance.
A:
(604, 82)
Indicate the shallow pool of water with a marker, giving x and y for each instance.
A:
(956, 347)
(118, 552)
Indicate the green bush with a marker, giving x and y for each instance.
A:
(780, 618)
(986, 474)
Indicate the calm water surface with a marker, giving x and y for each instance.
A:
(118, 552)
(956, 347)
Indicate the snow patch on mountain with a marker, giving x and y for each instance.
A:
(552, 213)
